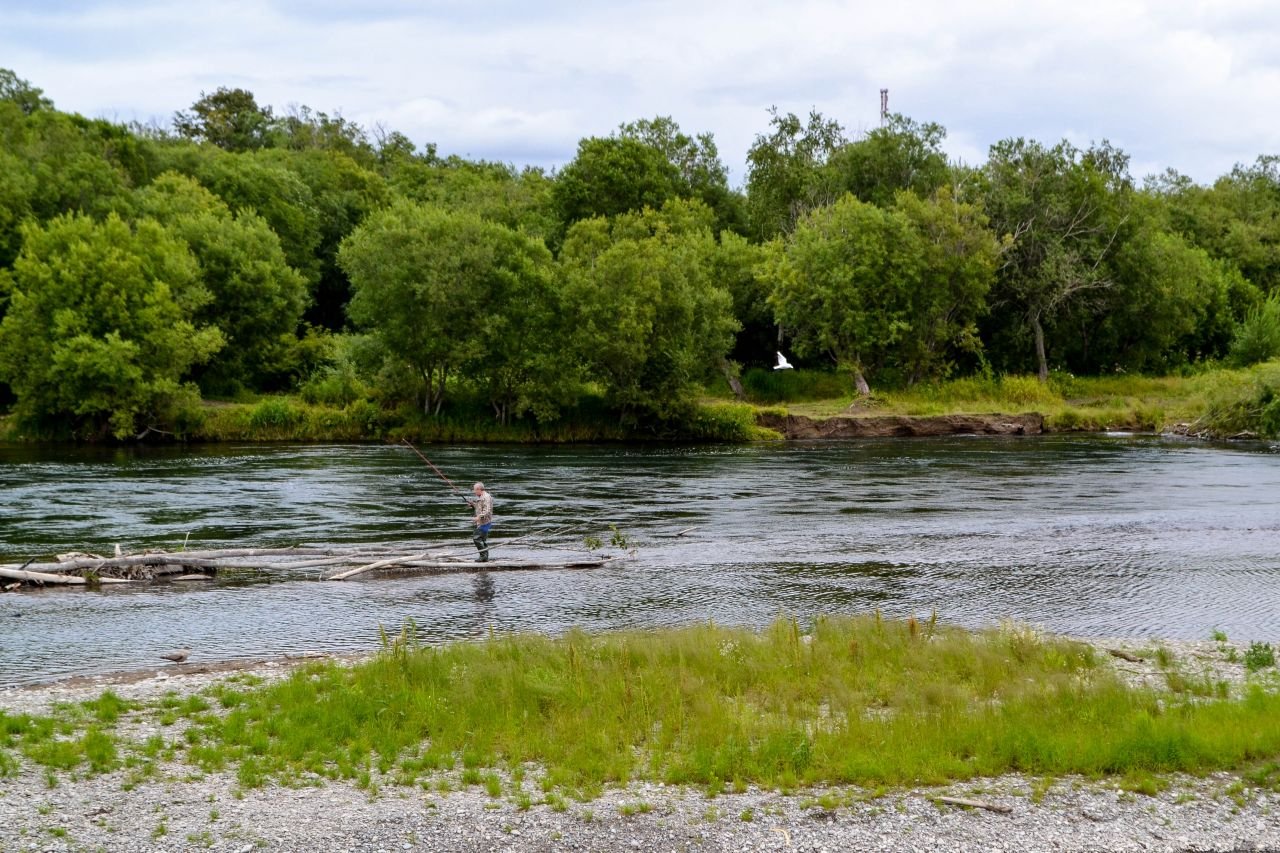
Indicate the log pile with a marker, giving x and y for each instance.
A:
(317, 563)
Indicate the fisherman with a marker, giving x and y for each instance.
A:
(482, 504)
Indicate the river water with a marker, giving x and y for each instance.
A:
(1093, 536)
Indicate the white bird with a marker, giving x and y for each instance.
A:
(782, 364)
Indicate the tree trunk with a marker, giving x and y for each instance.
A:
(1041, 362)
(860, 382)
(731, 375)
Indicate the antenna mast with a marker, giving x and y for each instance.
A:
(884, 106)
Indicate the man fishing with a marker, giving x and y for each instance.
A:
(482, 504)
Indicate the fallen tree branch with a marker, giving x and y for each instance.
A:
(341, 576)
(46, 577)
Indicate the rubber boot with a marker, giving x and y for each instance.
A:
(482, 545)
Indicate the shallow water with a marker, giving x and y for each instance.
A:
(1095, 536)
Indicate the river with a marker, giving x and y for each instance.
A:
(1095, 536)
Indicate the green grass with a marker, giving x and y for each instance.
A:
(1216, 402)
(847, 700)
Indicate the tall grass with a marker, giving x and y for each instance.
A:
(290, 419)
(776, 386)
(853, 700)
(1249, 402)
(1217, 401)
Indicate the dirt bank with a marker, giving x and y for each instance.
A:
(884, 426)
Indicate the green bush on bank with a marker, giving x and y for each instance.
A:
(1247, 403)
(1217, 402)
(290, 419)
(776, 386)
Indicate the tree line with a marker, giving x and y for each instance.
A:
(241, 251)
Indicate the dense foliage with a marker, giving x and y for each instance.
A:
(243, 251)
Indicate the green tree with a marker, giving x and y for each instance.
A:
(17, 186)
(696, 159)
(735, 266)
(843, 284)
(77, 164)
(342, 193)
(443, 291)
(28, 98)
(786, 174)
(611, 176)
(900, 155)
(1170, 304)
(519, 199)
(1063, 211)
(304, 129)
(257, 298)
(229, 118)
(647, 319)
(959, 255)
(1258, 337)
(257, 182)
(99, 333)
(1237, 219)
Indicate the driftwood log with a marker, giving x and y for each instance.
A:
(326, 563)
(47, 577)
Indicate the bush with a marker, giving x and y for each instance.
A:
(275, 414)
(333, 386)
(1257, 339)
(1259, 656)
(776, 386)
(1248, 406)
(723, 422)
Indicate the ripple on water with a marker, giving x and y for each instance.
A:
(1119, 536)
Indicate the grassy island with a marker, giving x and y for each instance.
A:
(844, 701)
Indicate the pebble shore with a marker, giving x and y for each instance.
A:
(180, 810)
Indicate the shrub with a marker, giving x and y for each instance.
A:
(775, 386)
(275, 414)
(1257, 339)
(1259, 656)
(722, 422)
(1248, 406)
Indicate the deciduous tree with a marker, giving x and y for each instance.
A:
(100, 335)
(843, 284)
(1063, 212)
(256, 297)
(228, 118)
(443, 290)
(786, 177)
(648, 319)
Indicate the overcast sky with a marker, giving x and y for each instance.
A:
(1193, 86)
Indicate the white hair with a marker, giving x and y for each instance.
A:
(479, 486)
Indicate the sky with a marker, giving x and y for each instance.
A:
(1182, 84)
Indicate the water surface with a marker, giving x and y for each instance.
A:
(1094, 536)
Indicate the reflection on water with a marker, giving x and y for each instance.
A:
(1116, 535)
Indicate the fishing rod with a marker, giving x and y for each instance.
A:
(439, 473)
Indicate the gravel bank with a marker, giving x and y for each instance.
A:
(177, 811)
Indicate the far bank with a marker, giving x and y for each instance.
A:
(1217, 404)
